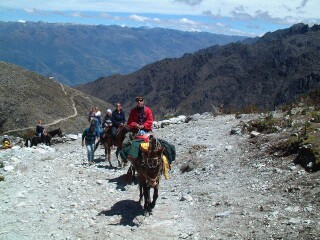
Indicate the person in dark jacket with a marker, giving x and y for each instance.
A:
(40, 130)
(89, 137)
(118, 119)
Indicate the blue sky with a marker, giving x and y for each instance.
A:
(230, 17)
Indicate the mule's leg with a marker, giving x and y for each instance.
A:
(96, 146)
(155, 196)
(109, 155)
(107, 151)
(120, 162)
(141, 193)
(147, 202)
(131, 172)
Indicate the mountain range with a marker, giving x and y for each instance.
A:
(77, 54)
(269, 72)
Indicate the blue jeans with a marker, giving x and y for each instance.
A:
(90, 150)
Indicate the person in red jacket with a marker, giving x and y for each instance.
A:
(141, 117)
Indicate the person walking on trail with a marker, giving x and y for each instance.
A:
(118, 119)
(140, 118)
(89, 137)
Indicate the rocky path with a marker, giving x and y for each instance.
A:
(49, 194)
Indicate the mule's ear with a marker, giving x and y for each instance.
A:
(144, 147)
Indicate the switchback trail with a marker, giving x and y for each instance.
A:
(56, 121)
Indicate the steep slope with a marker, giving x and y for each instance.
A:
(278, 67)
(26, 97)
(77, 54)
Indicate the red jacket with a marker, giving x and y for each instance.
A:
(134, 116)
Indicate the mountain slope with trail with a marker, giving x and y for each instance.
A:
(26, 97)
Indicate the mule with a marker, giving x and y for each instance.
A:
(108, 142)
(35, 140)
(149, 167)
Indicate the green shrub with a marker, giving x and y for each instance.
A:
(316, 116)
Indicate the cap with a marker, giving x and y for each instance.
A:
(139, 98)
(109, 111)
(5, 136)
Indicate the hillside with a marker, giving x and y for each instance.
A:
(274, 70)
(77, 54)
(26, 97)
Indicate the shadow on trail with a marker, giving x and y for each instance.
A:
(106, 166)
(122, 181)
(127, 209)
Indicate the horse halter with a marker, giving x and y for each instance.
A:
(153, 164)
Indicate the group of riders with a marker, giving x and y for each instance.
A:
(140, 121)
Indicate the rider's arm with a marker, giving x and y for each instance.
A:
(148, 123)
(131, 121)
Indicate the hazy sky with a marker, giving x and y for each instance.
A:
(231, 17)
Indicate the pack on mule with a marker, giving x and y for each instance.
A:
(35, 140)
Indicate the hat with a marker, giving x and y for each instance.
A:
(97, 114)
(139, 98)
(5, 137)
(109, 111)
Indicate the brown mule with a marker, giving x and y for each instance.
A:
(149, 168)
(108, 142)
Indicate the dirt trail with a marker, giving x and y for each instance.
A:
(54, 122)
(50, 194)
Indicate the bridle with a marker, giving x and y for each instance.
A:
(152, 163)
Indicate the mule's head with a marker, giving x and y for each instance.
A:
(152, 165)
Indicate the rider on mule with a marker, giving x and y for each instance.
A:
(118, 119)
(141, 117)
(40, 130)
(107, 117)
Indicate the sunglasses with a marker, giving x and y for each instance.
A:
(139, 100)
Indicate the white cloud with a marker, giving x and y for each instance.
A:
(138, 18)
(190, 2)
(28, 10)
(185, 20)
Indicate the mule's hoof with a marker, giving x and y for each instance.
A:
(147, 212)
